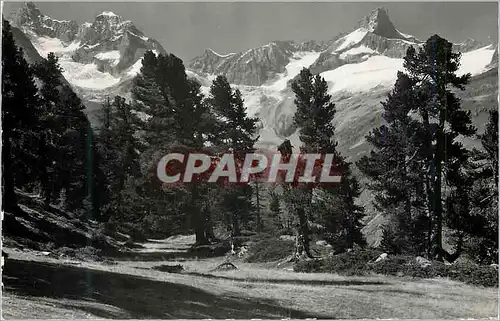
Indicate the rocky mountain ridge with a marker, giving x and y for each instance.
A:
(373, 35)
(255, 66)
(110, 42)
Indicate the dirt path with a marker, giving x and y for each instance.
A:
(38, 286)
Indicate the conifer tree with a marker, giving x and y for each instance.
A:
(237, 134)
(313, 118)
(433, 69)
(275, 209)
(419, 167)
(472, 208)
(393, 169)
(48, 72)
(20, 117)
(175, 116)
(120, 147)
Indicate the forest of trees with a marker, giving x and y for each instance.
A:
(420, 175)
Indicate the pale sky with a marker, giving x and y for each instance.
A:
(186, 29)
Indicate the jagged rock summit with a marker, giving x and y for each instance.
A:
(373, 35)
(30, 18)
(379, 23)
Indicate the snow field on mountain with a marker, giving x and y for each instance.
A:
(81, 75)
(293, 68)
(373, 72)
(476, 61)
(382, 71)
(113, 55)
(44, 45)
(351, 39)
(87, 75)
(357, 51)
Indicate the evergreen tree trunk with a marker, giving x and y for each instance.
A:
(304, 235)
(209, 227)
(428, 189)
(199, 220)
(257, 190)
(200, 231)
(9, 201)
(236, 225)
(201, 238)
(44, 175)
(438, 207)
(302, 248)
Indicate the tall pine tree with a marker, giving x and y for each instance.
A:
(237, 134)
(313, 118)
(20, 117)
(394, 171)
(433, 69)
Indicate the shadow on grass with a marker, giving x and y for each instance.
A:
(290, 281)
(133, 296)
(175, 255)
(169, 253)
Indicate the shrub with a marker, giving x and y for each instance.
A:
(309, 266)
(482, 275)
(351, 263)
(270, 249)
(212, 250)
(357, 263)
(348, 263)
(393, 265)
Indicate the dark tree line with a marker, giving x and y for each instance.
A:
(47, 144)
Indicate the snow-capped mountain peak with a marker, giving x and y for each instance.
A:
(379, 23)
(108, 14)
(99, 58)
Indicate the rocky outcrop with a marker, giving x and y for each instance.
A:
(469, 45)
(30, 17)
(494, 59)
